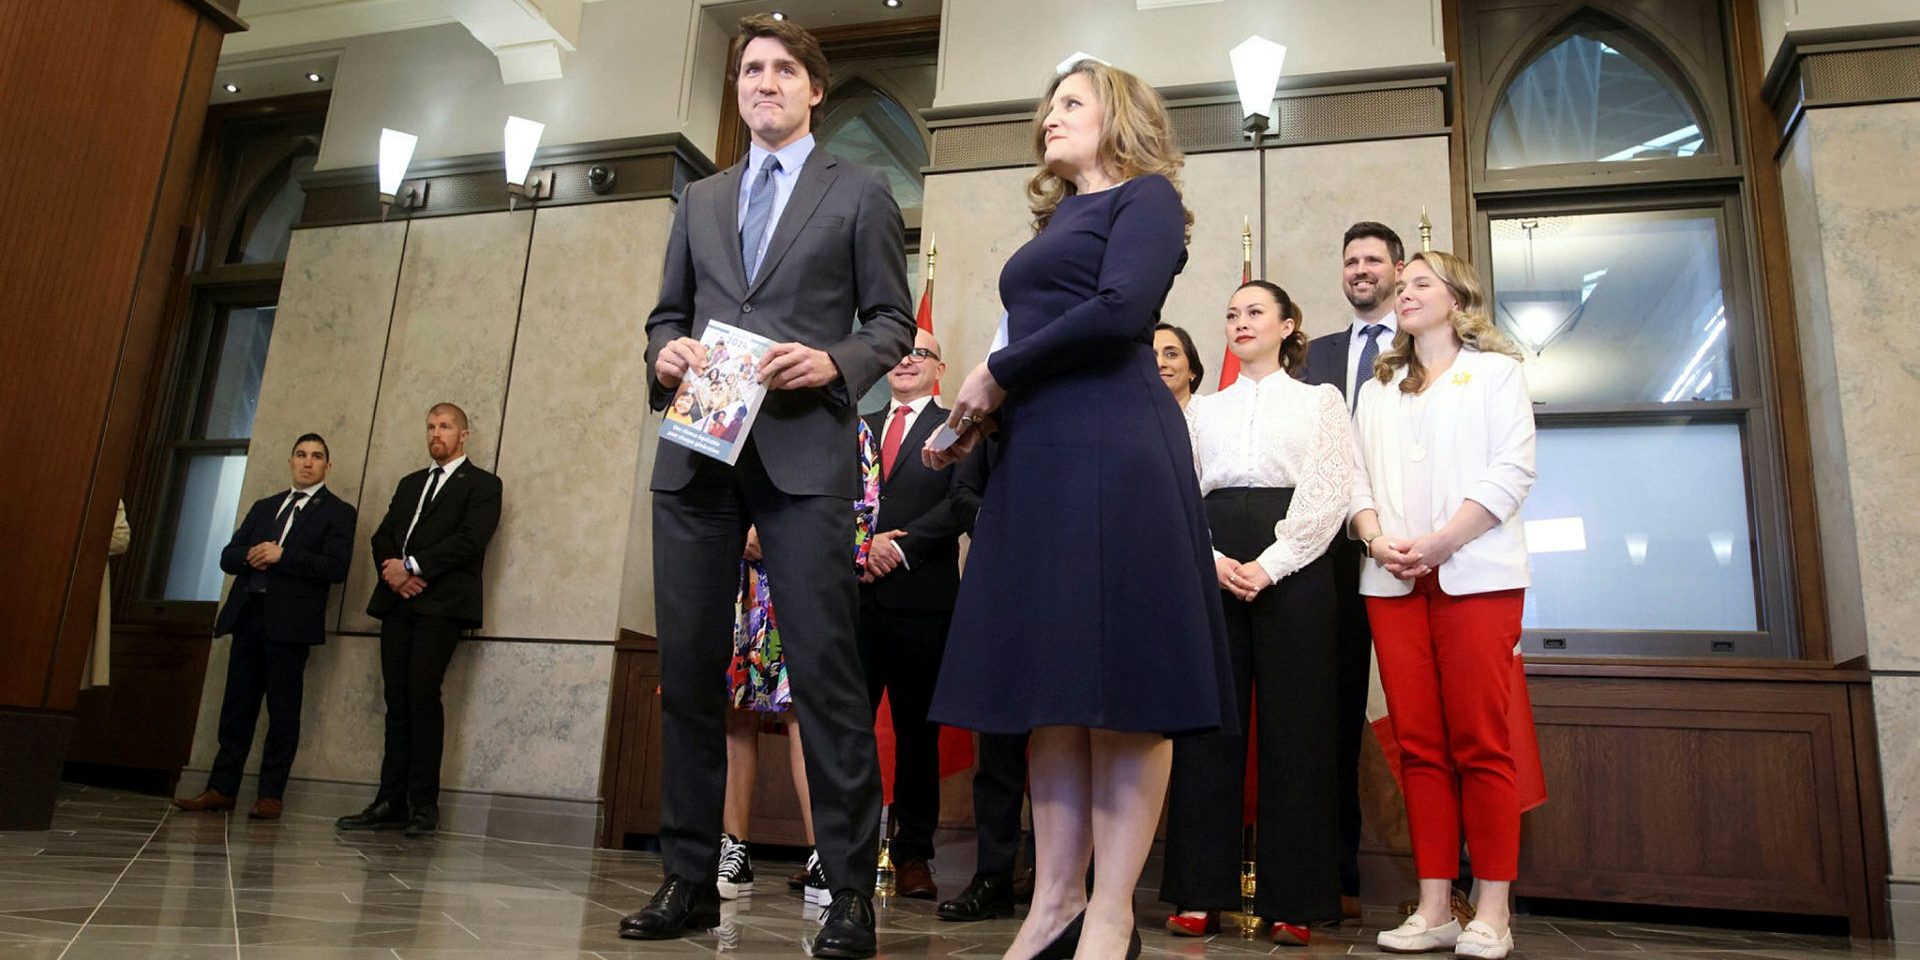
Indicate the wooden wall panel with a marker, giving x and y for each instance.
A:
(88, 136)
(1700, 793)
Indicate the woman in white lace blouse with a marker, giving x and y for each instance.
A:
(1275, 459)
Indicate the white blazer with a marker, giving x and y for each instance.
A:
(1482, 451)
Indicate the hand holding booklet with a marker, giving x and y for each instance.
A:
(713, 409)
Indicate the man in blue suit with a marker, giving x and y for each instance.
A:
(287, 554)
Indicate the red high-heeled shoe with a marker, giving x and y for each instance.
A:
(1184, 926)
(1289, 934)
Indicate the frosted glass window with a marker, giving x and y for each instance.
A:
(865, 126)
(1640, 528)
(210, 499)
(1616, 307)
(238, 362)
(1587, 99)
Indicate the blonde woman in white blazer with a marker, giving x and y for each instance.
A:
(1444, 457)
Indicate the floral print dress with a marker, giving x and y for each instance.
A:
(757, 677)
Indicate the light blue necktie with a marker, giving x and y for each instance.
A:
(759, 212)
(1369, 352)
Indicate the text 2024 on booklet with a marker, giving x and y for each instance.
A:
(713, 410)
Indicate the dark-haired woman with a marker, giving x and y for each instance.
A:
(1274, 457)
(1178, 364)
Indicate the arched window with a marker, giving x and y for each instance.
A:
(1587, 99)
(265, 224)
(865, 125)
(1623, 274)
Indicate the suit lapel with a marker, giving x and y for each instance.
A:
(726, 215)
(816, 175)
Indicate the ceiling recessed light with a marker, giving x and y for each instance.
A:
(777, 15)
(314, 77)
(230, 87)
(892, 3)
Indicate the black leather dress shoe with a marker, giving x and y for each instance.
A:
(379, 815)
(846, 932)
(987, 896)
(679, 907)
(424, 822)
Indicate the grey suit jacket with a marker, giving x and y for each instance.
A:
(837, 255)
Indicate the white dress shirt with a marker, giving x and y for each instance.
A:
(1357, 343)
(792, 157)
(288, 525)
(1279, 432)
(1475, 423)
(446, 473)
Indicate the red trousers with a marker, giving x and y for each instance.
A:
(1445, 664)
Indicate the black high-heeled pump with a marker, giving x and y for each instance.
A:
(1067, 941)
(1133, 946)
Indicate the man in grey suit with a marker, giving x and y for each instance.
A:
(796, 246)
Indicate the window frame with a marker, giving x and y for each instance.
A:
(1716, 182)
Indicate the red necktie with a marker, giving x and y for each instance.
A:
(890, 445)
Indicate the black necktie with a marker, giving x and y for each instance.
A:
(288, 509)
(433, 486)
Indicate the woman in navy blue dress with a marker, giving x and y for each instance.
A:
(1089, 614)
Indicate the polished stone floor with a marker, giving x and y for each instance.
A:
(123, 876)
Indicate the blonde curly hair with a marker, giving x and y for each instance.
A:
(1469, 319)
(1136, 138)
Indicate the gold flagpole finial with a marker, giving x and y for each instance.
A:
(1426, 230)
(1246, 239)
(933, 253)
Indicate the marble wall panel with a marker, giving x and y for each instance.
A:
(1870, 242)
(522, 718)
(1896, 708)
(978, 219)
(1315, 193)
(1839, 549)
(452, 340)
(1223, 191)
(576, 412)
(636, 577)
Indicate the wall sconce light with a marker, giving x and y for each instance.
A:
(523, 138)
(396, 152)
(1256, 72)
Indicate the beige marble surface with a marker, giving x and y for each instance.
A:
(576, 414)
(636, 567)
(1839, 550)
(979, 219)
(451, 340)
(1896, 708)
(1869, 225)
(1314, 193)
(1222, 190)
(522, 718)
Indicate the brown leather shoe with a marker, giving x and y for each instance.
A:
(266, 808)
(1349, 907)
(212, 800)
(913, 879)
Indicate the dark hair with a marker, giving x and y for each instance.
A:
(791, 35)
(314, 438)
(1193, 357)
(453, 409)
(1293, 350)
(1378, 231)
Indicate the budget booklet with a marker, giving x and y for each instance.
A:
(712, 411)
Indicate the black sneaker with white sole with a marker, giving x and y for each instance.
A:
(736, 868)
(816, 889)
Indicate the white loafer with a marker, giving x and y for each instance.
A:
(1479, 940)
(1414, 936)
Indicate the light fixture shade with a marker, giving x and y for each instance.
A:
(396, 151)
(1076, 57)
(1256, 71)
(523, 138)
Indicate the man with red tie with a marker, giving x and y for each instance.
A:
(906, 602)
